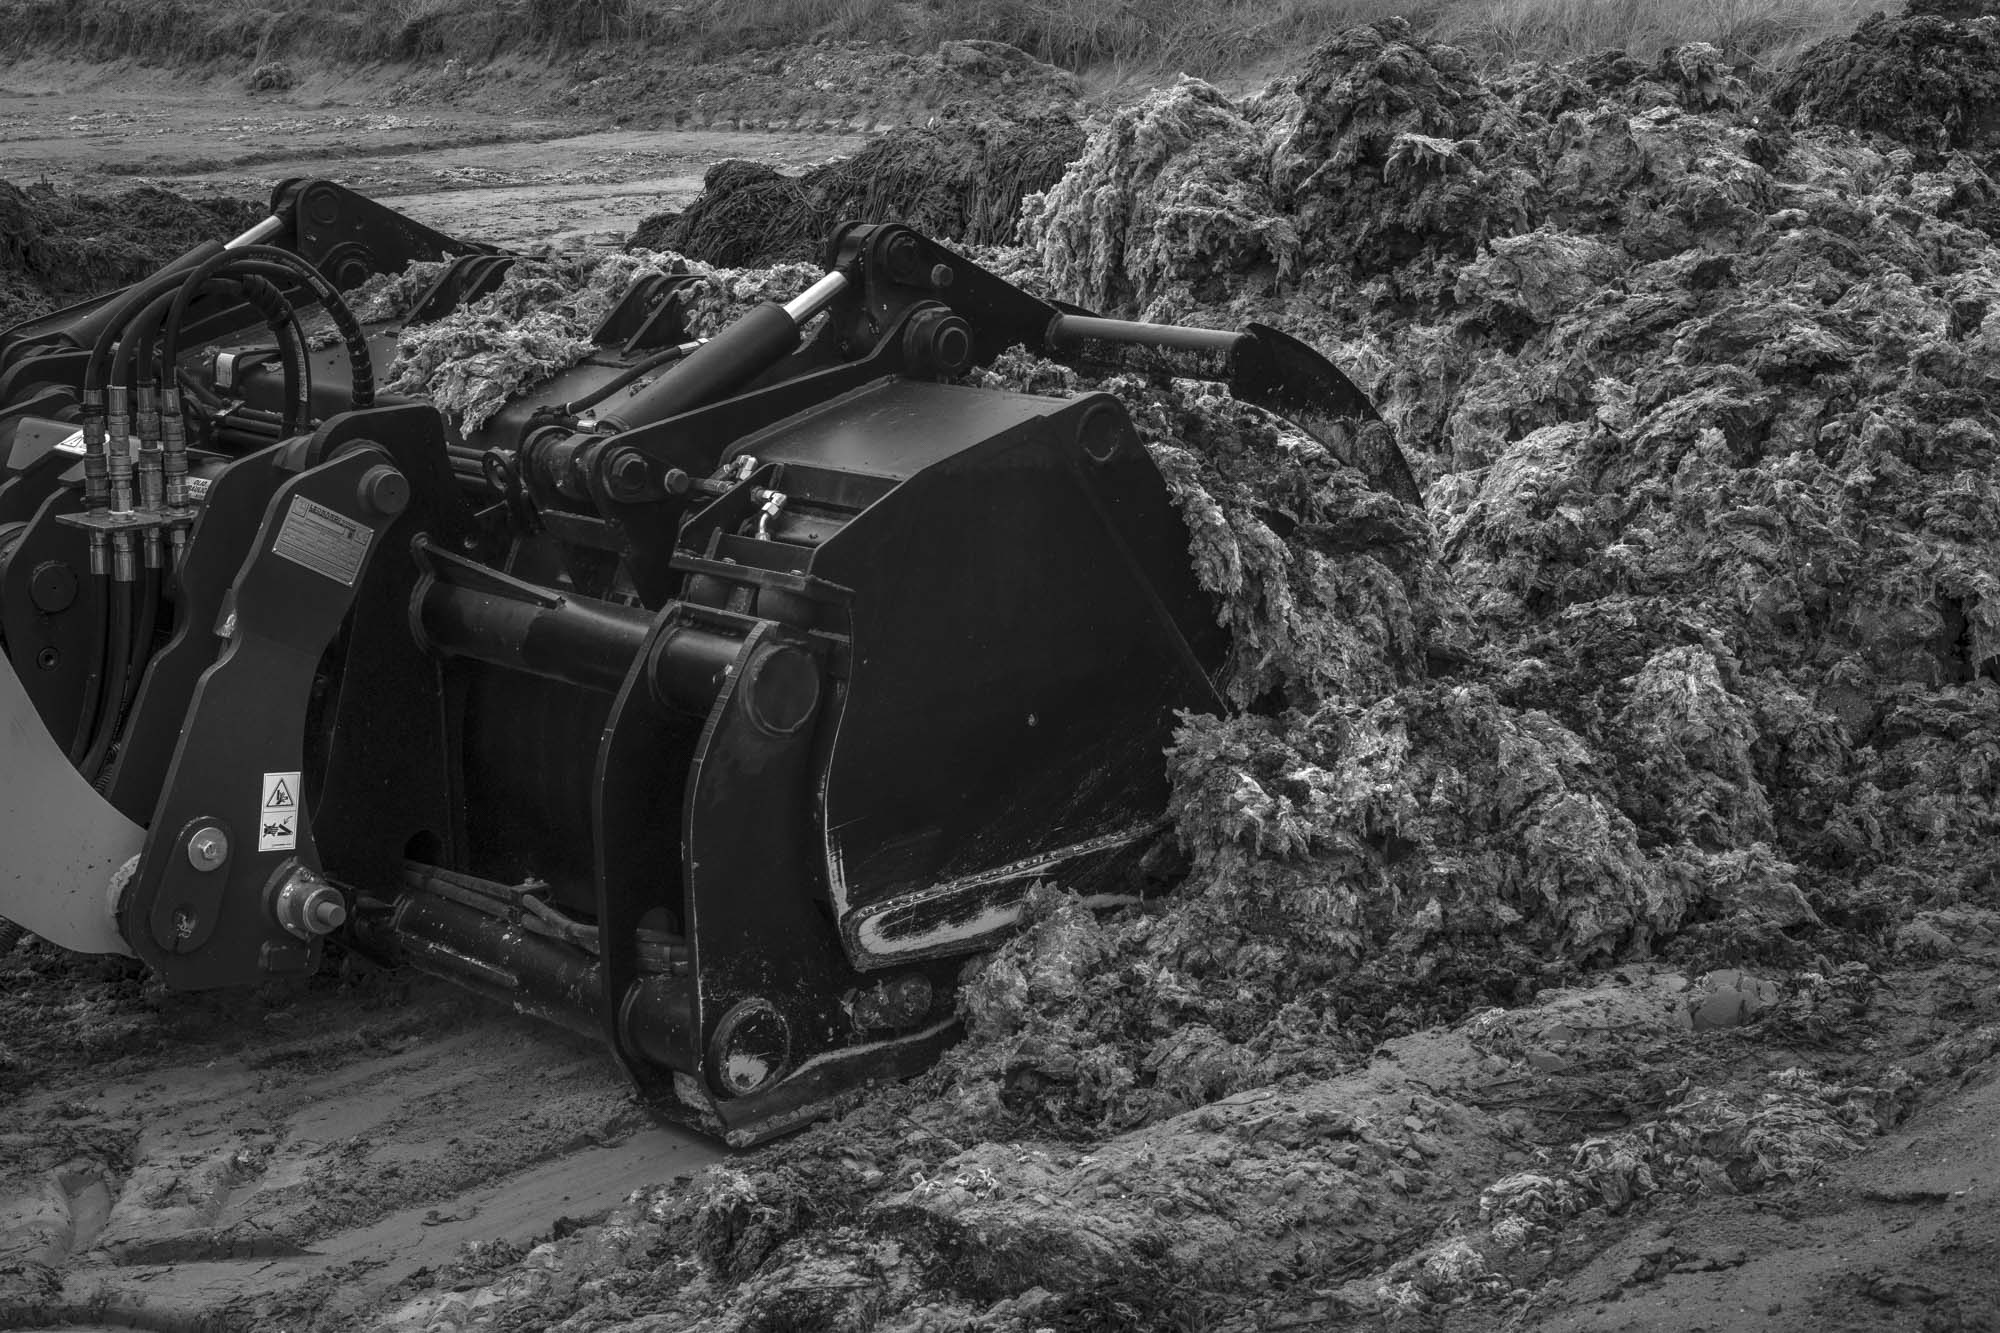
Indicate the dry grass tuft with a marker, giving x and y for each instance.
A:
(1204, 37)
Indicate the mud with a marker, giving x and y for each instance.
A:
(519, 153)
(962, 181)
(513, 172)
(1583, 917)
(853, 87)
(288, 1156)
(56, 248)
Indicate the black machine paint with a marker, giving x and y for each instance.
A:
(718, 698)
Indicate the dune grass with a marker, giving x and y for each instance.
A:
(1207, 37)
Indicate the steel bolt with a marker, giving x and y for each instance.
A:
(384, 490)
(53, 587)
(208, 848)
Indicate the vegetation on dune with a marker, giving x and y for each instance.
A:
(1198, 36)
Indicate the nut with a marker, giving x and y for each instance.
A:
(207, 848)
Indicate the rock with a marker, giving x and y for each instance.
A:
(1731, 999)
(1925, 940)
(1544, 1061)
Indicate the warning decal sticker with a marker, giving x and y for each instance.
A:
(323, 541)
(278, 822)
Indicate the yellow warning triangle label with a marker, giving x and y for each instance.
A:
(281, 796)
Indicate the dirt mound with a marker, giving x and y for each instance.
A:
(1929, 78)
(962, 181)
(57, 248)
(849, 86)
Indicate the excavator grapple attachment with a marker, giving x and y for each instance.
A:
(718, 699)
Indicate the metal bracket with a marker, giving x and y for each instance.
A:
(240, 759)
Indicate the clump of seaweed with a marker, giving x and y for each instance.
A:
(540, 319)
(1170, 190)
(1928, 79)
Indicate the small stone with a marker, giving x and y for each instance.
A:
(1733, 998)
(1723, 1009)
(1545, 1062)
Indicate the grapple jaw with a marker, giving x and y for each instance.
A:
(1276, 371)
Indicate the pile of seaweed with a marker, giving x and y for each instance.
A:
(57, 248)
(1704, 401)
(539, 321)
(961, 180)
(1676, 699)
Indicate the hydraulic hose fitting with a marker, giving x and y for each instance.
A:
(173, 457)
(96, 485)
(124, 557)
(151, 489)
(118, 443)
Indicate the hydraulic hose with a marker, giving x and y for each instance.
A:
(283, 318)
(134, 302)
(135, 346)
(96, 456)
(86, 722)
(264, 261)
(280, 315)
(139, 658)
(270, 262)
(123, 631)
(624, 377)
(118, 659)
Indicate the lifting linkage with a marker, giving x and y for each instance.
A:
(954, 315)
